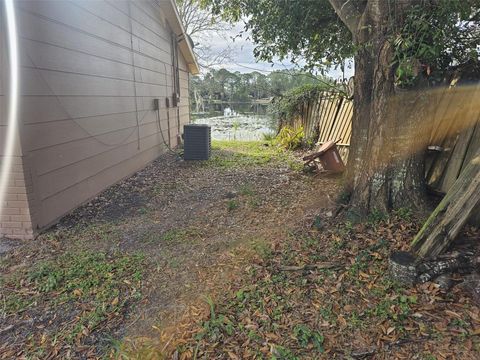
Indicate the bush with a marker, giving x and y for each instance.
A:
(290, 104)
(290, 138)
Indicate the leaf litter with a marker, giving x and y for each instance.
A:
(276, 276)
(284, 306)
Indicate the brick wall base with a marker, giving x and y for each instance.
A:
(16, 218)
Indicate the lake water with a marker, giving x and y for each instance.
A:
(238, 127)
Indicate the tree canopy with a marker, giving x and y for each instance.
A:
(306, 30)
(200, 24)
(230, 86)
(434, 34)
(395, 43)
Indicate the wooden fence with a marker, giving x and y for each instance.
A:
(454, 114)
(455, 133)
(327, 117)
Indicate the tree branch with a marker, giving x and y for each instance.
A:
(349, 11)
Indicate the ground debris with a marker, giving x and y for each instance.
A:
(350, 311)
(191, 239)
(317, 266)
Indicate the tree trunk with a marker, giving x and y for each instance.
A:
(386, 168)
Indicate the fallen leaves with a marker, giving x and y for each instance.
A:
(355, 307)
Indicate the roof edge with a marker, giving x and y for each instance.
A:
(171, 12)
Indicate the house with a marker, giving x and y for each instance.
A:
(92, 74)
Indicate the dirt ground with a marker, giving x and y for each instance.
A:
(191, 222)
(239, 257)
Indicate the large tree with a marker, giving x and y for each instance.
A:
(200, 24)
(395, 44)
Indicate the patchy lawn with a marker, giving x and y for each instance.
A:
(60, 303)
(134, 259)
(238, 257)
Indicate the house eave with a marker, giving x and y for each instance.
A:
(171, 12)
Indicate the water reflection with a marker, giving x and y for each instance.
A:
(238, 126)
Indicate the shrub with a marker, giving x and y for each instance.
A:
(290, 138)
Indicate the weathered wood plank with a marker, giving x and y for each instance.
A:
(457, 157)
(448, 219)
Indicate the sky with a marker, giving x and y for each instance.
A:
(242, 56)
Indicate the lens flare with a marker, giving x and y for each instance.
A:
(11, 133)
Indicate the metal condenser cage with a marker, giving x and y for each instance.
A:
(197, 142)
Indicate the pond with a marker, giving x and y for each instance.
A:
(238, 126)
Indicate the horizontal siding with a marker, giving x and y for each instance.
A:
(68, 153)
(87, 104)
(61, 32)
(61, 179)
(85, 190)
(46, 57)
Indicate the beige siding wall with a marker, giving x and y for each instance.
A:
(184, 105)
(15, 219)
(90, 73)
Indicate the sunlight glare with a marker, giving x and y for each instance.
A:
(12, 125)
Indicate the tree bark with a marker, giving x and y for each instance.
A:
(386, 168)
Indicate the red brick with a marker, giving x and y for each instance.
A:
(20, 183)
(27, 225)
(17, 189)
(25, 210)
(21, 197)
(11, 197)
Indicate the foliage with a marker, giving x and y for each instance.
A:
(225, 86)
(436, 36)
(305, 336)
(84, 288)
(290, 103)
(240, 154)
(232, 205)
(200, 24)
(428, 37)
(299, 30)
(290, 138)
(270, 137)
(323, 313)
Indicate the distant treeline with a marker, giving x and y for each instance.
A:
(220, 88)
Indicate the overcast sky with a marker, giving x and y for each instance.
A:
(242, 54)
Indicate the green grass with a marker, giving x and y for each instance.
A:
(85, 288)
(238, 154)
(99, 233)
(247, 190)
(232, 205)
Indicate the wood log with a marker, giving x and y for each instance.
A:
(402, 267)
(448, 219)
(430, 270)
